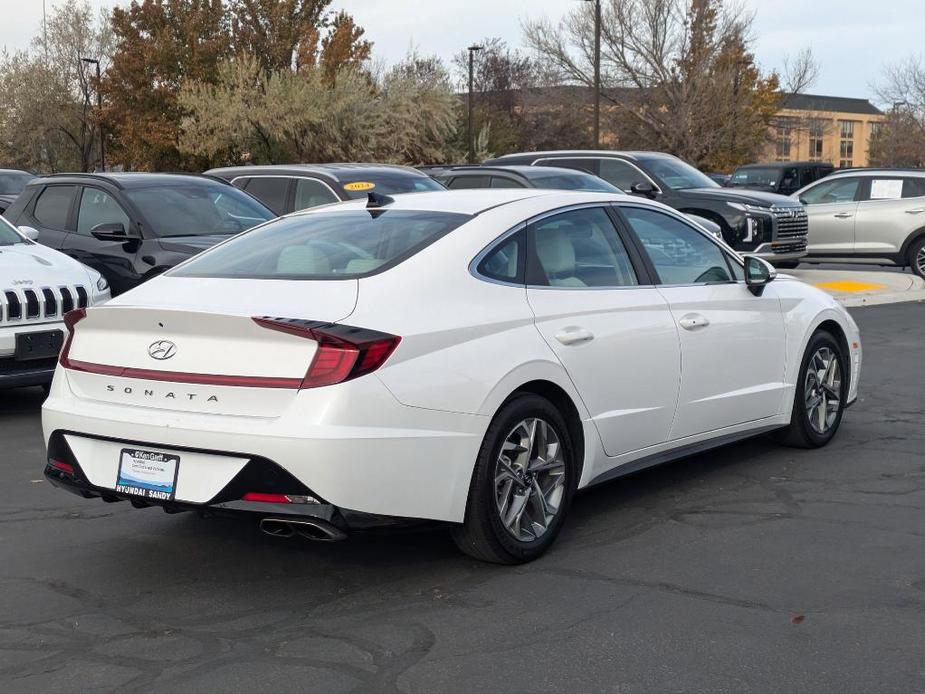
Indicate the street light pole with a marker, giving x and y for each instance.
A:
(470, 129)
(99, 110)
(597, 72)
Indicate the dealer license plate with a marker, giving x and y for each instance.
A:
(148, 474)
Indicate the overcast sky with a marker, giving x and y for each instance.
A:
(852, 39)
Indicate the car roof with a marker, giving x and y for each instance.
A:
(521, 169)
(336, 171)
(578, 153)
(127, 179)
(783, 164)
(471, 201)
(873, 171)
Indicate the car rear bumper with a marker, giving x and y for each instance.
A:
(353, 445)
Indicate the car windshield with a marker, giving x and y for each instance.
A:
(325, 246)
(197, 208)
(391, 183)
(13, 182)
(573, 181)
(8, 235)
(677, 174)
(765, 177)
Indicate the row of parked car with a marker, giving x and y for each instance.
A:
(124, 228)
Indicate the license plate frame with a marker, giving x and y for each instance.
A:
(40, 344)
(147, 474)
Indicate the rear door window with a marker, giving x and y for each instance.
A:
(502, 182)
(468, 182)
(53, 207)
(311, 193)
(271, 191)
(579, 248)
(586, 164)
(326, 245)
(886, 188)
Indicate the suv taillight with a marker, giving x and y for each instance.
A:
(71, 318)
(343, 353)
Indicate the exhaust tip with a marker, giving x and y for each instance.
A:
(317, 530)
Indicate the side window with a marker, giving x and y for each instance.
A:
(580, 248)
(738, 271)
(838, 190)
(54, 206)
(913, 187)
(680, 254)
(788, 179)
(271, 191)
(621, 174)
(506, 261)
(465, 182)
(499, 182)
(886, 188)
(587, 165)
(99, 207)
(311, 193)
(807, 176)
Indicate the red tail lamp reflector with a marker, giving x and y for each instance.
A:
(71, 318)
(344, 352)
(266, 498)
(61, 466)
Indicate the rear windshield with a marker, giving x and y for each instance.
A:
(12, 183)
(756, 177)
(197, 208)
(388, 184)
(325, 246)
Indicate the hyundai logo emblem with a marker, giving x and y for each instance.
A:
(162, 349)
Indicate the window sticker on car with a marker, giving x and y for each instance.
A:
(359, 185)
(886, 189)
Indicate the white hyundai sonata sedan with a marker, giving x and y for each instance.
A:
(470, 357)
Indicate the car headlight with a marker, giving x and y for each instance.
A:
(748, 208)
(101, 284)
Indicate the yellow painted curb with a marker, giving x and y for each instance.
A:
(850, 286)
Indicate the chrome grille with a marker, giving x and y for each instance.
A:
(792, 222)
(20, 306)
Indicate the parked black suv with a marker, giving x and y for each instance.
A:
(764, 224)
(285, 188)
(132, 226)
(780, 177)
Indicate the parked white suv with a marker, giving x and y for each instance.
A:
(867, 216)
(38, 285)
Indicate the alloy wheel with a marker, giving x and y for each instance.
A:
(920, 261)
(822, 390)
(530, 479)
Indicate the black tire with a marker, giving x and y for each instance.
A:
(483, 534)
(786, 264)
(800, 433)
(917, 257)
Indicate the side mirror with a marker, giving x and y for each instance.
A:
(110, 231)
(30, 233)
(643, 188)
(802, 200)
(758, 273)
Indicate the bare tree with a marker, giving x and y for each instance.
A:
(901, 139)
(800, 71)
(678, 74)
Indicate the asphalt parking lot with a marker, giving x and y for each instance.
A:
(750, 569)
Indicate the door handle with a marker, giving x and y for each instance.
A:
(917, 210)
(574, 336)
(844, 215)
(693, 321)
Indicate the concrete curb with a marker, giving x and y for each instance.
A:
(894, 287)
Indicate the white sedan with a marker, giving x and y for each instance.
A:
(469, 357)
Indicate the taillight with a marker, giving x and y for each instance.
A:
(343, 353)
(71, 318)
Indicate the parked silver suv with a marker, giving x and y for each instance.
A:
(867, 216)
